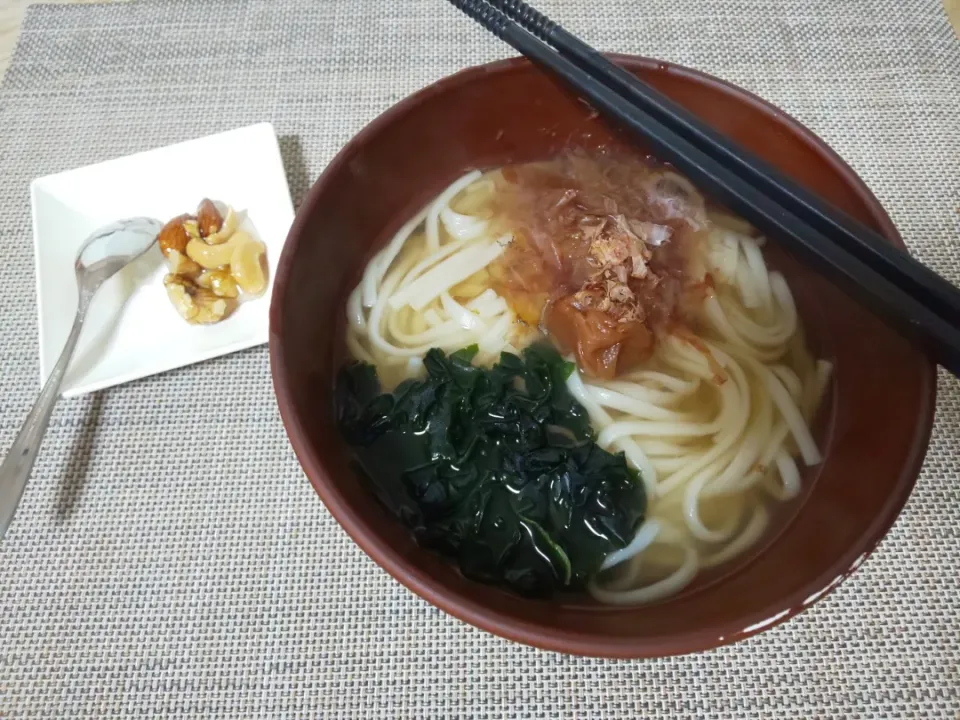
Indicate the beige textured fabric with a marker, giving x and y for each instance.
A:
(169, 557)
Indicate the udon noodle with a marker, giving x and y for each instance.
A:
(715, 415)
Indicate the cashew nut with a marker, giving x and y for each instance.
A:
(212, 257)
(247, 266)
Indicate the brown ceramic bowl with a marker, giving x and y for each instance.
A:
(874, 427)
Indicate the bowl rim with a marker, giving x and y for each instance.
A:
(567, 640)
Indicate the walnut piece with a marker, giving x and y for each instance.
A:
(220, 282)
(180, 264)
(196, 305)
(211, 262)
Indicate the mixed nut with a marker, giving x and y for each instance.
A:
(213, 264)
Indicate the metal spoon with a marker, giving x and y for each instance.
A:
(105, 253)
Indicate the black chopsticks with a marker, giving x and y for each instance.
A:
(851, 234)
(900, 290)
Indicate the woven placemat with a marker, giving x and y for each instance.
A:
(169, 557)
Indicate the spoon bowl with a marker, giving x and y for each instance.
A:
(102, 255)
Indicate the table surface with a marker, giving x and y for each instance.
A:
(140, 579)
(12, 11)
(11, 18)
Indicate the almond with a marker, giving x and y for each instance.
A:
(209, 218)
(174, 236)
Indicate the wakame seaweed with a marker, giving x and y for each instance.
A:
(495, 467)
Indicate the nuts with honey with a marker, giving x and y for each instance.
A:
(213, 264)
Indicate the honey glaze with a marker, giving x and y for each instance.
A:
(600, 253)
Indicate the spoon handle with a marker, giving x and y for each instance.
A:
(18, 463)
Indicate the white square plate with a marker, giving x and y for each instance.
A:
(132, 330)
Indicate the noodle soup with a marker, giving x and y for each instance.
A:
(580, 374)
